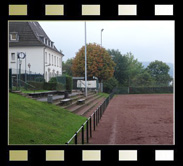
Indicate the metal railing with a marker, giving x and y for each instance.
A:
(85, 131)
(25, 85)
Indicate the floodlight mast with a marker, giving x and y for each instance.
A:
(85, 64)
(101, 36)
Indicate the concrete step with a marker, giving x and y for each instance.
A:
(90, 108)
(57, 101)
(77, 108)
(74, 104)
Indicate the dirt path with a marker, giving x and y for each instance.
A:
(136, 119)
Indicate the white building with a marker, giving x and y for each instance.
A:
(41, 54)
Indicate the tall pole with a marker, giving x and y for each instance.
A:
(85, 64)
(101, 88)
(20, 72)
(25, 69)
(17, 73)
(101, 36)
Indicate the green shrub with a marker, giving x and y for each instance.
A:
(60, 86)
(59, 83)
(69, 84)
(50, 86)
(39, 79)
(37, 85)
(53, 80)
(110, 84)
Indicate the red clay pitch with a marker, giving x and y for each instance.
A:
(136, 119)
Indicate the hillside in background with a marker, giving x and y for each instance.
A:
(145, 64)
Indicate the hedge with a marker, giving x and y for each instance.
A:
(46, 86)
(69, 83)
(37, 85)
(142, 90)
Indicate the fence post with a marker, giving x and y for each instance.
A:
(96, 116)
(83, 134)
(76, 139)
(94, 121)
(90, 127)
(99, 114)
(87, 138)
(10, 79)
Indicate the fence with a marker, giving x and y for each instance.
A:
(142, 90)
(85, 131)
(27, 76)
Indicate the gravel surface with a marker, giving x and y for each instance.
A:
(136, 119)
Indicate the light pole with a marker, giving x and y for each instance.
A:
(20, 55)
(20, 62)
(29, 65)
(85, 64)
(101, 36)
(101, 50)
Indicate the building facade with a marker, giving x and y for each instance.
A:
(41, 54)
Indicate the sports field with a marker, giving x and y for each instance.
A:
(137, 119)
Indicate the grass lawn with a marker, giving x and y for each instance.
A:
(103, 94)
(34, 122)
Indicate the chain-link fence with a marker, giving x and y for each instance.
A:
(26, 76)
(142, 90)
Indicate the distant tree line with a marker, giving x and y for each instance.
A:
(114, 69)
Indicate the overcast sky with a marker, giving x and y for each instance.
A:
(146, 40)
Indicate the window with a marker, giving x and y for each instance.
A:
(60, 62)
(52, 44)
(45, 41)
(49, 59)
(12, 57)
(52, 60)
(14, 36)
(55, 60)
(45, 57)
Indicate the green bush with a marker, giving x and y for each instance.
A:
(53, 80)
(60, 86)
(59, 83)
(110, 84)
(37, 85)
(50, 86)
(69, 84)
(39, 79)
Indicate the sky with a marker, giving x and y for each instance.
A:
(146, 40)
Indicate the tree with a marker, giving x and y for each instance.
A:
(67, 66)
(142, 79)
(99, 63)
(110, 84)
(128, 71)
(135, 69)
(159, 71)
(121, 68)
